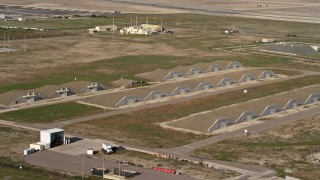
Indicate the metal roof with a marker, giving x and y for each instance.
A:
(54, 130)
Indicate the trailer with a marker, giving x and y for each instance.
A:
(107, 148)
(37, 147)
(29, 151)
(99, 171)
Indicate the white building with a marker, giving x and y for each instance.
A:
(2, 17)
(54, 137)
(143, 29)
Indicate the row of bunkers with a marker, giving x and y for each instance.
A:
(15, 97)
(173, 88)
(219, 118)
(183, 71)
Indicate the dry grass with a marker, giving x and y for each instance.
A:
(279, 148)
(138, 128)
(14, 140)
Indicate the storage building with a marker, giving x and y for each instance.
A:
(54, 137)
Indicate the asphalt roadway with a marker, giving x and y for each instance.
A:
(83, 164)
(16, 10)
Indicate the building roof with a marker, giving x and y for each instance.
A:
(10, 97)
(47, 90)
(77, 85)
(159, 74)
(122, 82)
(54, 130)
(290, 48)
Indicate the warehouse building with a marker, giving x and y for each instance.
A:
(212, 120)
(159, 91)
(182, 71)
(52, 137)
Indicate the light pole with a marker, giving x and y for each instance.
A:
(82, 168)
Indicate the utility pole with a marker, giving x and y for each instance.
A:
(136, 20)
(205, 29)
(25, 43)
(103, 168)
(161, 26)
(112, 27)
(4, 39)
(147, 26)
(8, 40)
(82, 168)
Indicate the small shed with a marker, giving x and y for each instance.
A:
(54, 137)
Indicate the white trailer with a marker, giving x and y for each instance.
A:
(107, 148)
(28, 151)
(37, 147)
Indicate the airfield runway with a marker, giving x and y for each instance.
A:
(287, 10)
(25, 11)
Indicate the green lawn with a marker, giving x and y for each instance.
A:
(50, 113)
(10, 173)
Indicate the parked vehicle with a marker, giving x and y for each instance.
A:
(121, 148)
(99, 171)
(107, 148)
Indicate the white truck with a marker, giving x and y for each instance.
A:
(107, 149)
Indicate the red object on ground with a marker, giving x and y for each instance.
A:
(164, 170)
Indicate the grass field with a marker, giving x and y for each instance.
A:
(106, 71)
(281, 149)
(50, 113)
(188, 39)
(138, 128)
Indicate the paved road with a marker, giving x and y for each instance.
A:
(69, 163)
(16, 10)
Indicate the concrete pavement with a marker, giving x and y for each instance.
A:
(83, 164)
